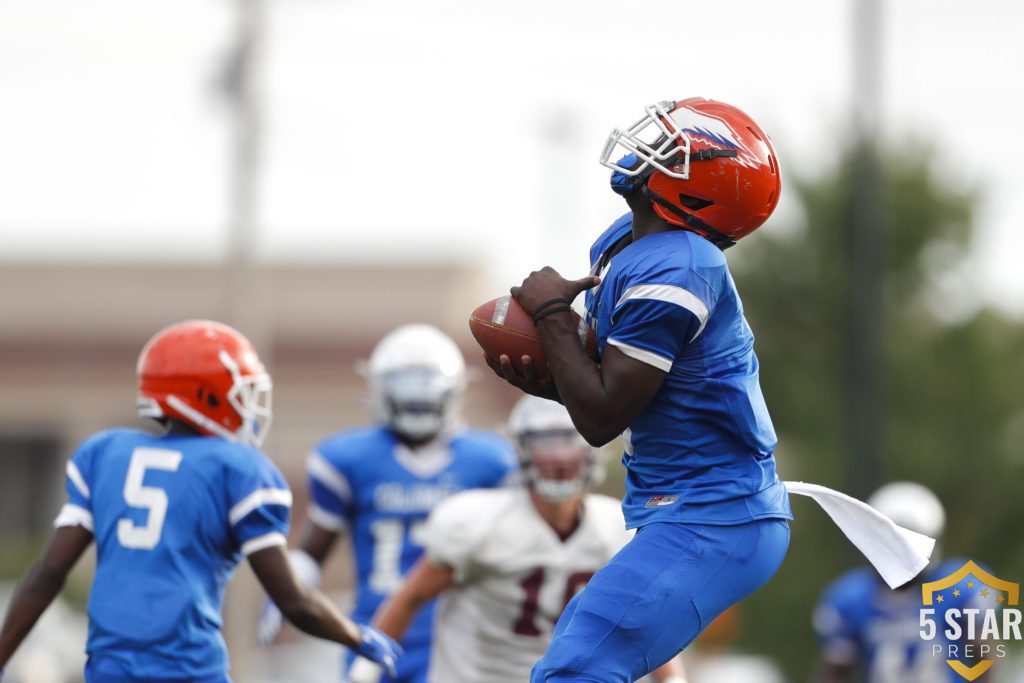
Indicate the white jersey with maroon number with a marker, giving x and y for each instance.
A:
(514, 576)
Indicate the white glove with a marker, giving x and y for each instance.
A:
(364, 671)
(307, 571)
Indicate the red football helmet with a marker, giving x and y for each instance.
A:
(555, 460)
(705, 165)
(207, 375)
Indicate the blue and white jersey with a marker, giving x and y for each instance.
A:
(172, 516)
(702, 449)
(861, 622)
(367, 481)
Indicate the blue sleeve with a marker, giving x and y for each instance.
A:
(331, 504)
(655, 323)
(260, 504)
(489, 457)
(508, 467)
(78, 477)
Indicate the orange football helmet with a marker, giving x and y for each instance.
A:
(208, 375)
(705, 165)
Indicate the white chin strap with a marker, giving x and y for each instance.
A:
(200, 420)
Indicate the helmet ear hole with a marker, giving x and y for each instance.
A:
(203, 394)
(693, 203)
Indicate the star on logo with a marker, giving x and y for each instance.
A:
(956, 593)
(984, 593)
(970, 584)
(939, 598)
(1001, 599)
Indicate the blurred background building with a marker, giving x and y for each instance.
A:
(321, 171)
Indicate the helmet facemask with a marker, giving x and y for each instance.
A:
(417, 403)
(557, 464)
(250, 396)
(655, 141)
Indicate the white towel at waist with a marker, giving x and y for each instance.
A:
(898, 554)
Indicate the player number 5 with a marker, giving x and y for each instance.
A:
(149, 498)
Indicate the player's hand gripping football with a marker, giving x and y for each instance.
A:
(526, 381)
(378, 648)
(546, 285)
(542, 287)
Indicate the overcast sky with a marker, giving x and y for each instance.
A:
(421, 128)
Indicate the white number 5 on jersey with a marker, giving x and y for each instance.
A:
(149, 498)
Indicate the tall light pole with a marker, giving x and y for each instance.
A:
(244, 288)
(866, 239)
(244, 86)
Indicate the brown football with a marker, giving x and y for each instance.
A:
(501, 326)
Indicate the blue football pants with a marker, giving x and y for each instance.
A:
(656, 595)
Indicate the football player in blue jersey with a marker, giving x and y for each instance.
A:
(379, 483)
(172, 515)
(863, 625)
(678, 379)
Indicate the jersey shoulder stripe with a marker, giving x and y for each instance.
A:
(269, 540)
(320, 469)
(643, 355)
(74, 515)
(672, 294)
(256, 499)
(76, 478)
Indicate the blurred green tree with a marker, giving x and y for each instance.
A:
(953, 387)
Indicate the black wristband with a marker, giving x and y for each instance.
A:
(550, 302)
(551, 311)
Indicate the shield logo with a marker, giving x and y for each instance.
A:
(971, 582)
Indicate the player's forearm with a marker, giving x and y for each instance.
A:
(396, 615)
(581, 387)
(424, 582)
(317, 542)
(35, 593)
(312, 612)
